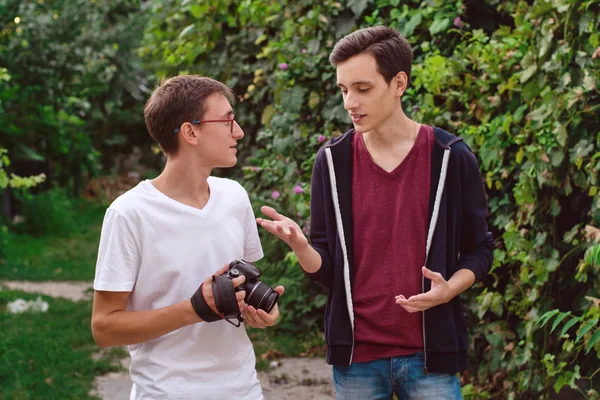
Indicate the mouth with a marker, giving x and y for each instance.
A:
(356, 118)
(234, 148)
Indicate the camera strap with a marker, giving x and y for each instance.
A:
(202, 308)
(225, 299)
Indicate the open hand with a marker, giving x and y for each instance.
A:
(283, 227)
(440, 293)
(260, 318)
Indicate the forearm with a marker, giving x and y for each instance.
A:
(459, 282)
(309, 259)
(121, 327)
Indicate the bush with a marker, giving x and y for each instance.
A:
(48, 213)
(517, 80)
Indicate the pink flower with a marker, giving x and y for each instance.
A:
(275, 194)
(298, 189)
(321, 138)
(458, 22)
(283, 66)
(303, 51)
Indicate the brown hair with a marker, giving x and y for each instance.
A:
(391, 50)
(177, 100)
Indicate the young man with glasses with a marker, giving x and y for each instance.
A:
(397, 232)
(164, 240)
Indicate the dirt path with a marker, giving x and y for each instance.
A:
(290, 379)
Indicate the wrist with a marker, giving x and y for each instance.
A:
(189, 314)
(299, 250)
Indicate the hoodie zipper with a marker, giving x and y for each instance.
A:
(430, 232)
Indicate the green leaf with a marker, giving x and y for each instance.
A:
(561, 133)
(188, 29)
(439, 25)
(593, 340)
(592, 256)
(267, 114)
(586, 328)
(358, 6)
(196, 11)
(528, 73)
(408, 28)
(569, 324)
(546, 317)
(558, 320)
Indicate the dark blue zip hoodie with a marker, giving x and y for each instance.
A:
(458, 238)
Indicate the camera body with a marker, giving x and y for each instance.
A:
(258, 294)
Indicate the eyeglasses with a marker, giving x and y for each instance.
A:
(197, 121)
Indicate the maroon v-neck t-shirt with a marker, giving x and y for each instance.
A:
(390, 213)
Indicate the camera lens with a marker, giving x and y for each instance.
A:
(260, 296)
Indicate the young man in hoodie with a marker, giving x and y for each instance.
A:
(166, 240)
(397, 232)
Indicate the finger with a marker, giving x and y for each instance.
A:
(238, 281)
(273, 227)
(221, 271)
(280, 290)
(241, 295)
(411, 309)
(434, 276)
(422, 297)
(271, 213)
(267, 319)
(283, 230)
(293, 233)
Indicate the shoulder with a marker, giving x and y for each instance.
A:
(228, 186)
(341, 144)
(132, 200)
(459, 149)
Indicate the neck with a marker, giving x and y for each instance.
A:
(396, 130)
(184, 179)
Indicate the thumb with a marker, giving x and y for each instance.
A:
(434, 276)
(280, 290)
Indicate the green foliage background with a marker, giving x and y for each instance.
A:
(518, 80)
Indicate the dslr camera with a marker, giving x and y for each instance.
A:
(258, 294)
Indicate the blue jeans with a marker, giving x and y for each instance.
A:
(379, 379)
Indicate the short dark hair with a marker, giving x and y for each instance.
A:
(391, 50)
(177, 100)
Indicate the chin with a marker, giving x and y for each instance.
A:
(229, 163)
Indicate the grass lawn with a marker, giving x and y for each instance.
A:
(49, 355)
(51, 257)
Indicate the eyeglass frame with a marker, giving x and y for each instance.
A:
(197, 122)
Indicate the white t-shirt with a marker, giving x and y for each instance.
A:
(161, 250)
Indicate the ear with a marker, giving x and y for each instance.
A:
(400, 82)
(187, 134)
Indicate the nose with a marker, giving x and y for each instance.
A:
(350, 103)
(237, 133)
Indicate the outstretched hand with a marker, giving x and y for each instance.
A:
(282, 227)
(440, 293)
(260, 318)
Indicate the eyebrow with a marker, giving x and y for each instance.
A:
(228, 113)
(367, 82)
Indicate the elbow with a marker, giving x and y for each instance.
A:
(100, 332)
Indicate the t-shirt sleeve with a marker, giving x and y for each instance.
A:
(118, 261)
(252, 247)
